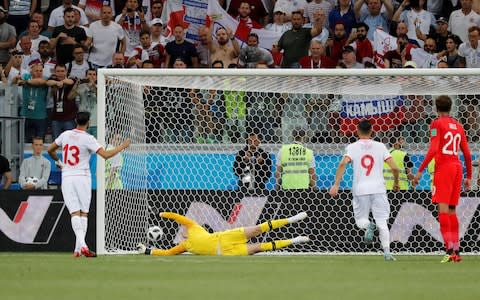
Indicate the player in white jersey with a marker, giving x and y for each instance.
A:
(77, 147)
(369, 192)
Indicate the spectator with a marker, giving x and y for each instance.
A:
(343, 13)
(202, 46)
(252, 12)
(35, 170)
(349, 59)
(93, 8)
(84, 93)
(64, 38)
(181, 48)
(118, 61)
(132, 20)
(47, 60)
(39, 18)
(252, 54)
(296, 165)
(19, 12)
(402, 161)
(335, 45)
(57, 16)
(440, 35)
(79, 65)
(374, 17)
(147, 51)
(252, 165)
(363, 46)
(470, 49)
(223, 50)
(27, 54)
(320, 16)
(290, 7)
(34, 104)
(450, 54)
(207, 124)
(157, 8)
(396, 58)
(104, 34)
(317, 59)
(317, 5)
(5, 171)
(64, 110)
(7, 36)
(463, 19)
(156, 31)
(417, 19)
(33, 31)
(402, 29)
(296, 41)
(426, 57)
(279, 24)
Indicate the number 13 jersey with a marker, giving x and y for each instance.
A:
(367, 158)
(77, 147)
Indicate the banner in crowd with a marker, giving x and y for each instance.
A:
(384, 111)
(194, 14)
(383, 42)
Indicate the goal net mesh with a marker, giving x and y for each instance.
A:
(187, 130)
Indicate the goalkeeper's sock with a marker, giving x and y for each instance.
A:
(274, 224)
(455, 243)
(274, 245)
(444, 220)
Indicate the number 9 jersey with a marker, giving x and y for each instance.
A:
(367, 158)
(77, 147)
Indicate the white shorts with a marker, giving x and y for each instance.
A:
(377, 203)
(77, 192)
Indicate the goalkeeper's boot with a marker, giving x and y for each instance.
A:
(297, 217)
(446, 259)
(300, 239)
(141, 248)
(369, 232)
(389, 257)
(87, 253)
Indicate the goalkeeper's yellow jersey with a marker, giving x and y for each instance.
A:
(201, 242)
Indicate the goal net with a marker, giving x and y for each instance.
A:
(188, 129)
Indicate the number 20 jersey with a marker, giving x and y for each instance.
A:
(367, 158)
(77, 147)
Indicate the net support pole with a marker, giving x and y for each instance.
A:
(100, 199)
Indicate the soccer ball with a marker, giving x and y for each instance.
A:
(154, 234)
(31, 180)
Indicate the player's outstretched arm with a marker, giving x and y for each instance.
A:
(178, 249)
(178, 218)
(339, 175)
(106, 154)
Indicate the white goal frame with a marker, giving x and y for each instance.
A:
(103, 73)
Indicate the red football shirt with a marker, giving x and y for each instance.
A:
(447, 137)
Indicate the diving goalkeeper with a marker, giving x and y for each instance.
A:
(233, 242)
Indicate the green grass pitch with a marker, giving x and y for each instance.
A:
(60, 276)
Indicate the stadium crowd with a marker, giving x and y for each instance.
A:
(51, 61)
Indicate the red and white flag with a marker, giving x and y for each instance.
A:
(383, 42)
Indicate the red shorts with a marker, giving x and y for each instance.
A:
(447, 184)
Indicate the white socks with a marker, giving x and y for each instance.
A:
(77, 227)
(384, 235)
(297, 217)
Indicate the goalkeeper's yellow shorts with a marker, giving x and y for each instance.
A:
(233, 242)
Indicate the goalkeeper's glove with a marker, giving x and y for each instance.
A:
(142, 249)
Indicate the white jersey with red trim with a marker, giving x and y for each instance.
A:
(77, 147)
(367, 158)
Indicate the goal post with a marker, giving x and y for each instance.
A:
(187, 126)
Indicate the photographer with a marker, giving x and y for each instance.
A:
(252, 165)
